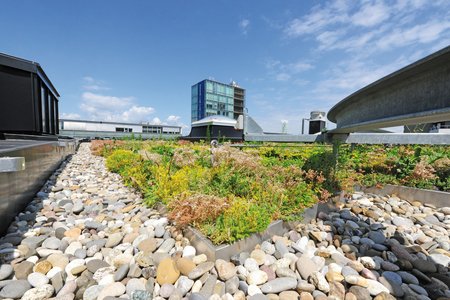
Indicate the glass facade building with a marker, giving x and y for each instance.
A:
(209, 98)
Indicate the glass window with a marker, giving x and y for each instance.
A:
(44, 110)
(209, 86)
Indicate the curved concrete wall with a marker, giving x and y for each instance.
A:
(418, 93)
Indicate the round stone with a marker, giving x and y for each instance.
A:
(52, 243)
(268, 248)
(159, 231)
(95, 264)
(58, 260)
(113, 240)
(225, 269)
(377, 236)
(80, 253)
(39, 293)
(92, 292)
(259, 256)
(15, 289)
(166, 290)
(251, 264)
(148, 245)
(23, 269)
(6, 271)
(43, 267)
(168, 272)
(279, 285)
(37, 279)
(135, 284)
(121, 272)
(189, 251)
(200, 270)
(257, 277)
(185, 265)
(184, 284)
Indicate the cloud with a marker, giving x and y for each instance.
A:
(320, 17)
(91, 84)
(70, 116)
(422, 33)
(137, 113)
(371, 14)
(101, 107)
(104, 101)
(285, 72)
(244, 24)
(371, 26)
(173, 119)
(111, 108)
(156, 121)
(283, 77)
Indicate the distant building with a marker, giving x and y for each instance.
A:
(440, 127)
(99, 129)
(215, 127)
(209, 98)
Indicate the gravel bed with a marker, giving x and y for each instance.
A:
(87, 236)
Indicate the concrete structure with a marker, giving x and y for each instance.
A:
(209, 98)
(99, 129)
(29, 99)
(25, 166)
(418, 93)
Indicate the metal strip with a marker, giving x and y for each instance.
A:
(12, 164)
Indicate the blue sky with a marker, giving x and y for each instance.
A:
(136, 60)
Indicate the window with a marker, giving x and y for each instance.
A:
(44, 110)
(121, 129)
(209, 86)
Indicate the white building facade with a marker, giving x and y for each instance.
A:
(100, 129)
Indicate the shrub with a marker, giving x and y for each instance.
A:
(195, 209)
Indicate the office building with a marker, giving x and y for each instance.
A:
(100, 129)
(209, 98)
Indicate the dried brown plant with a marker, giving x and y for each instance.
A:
(195, 209)
(237, 158)
(423, 171)
(153, 157)
(183, 157)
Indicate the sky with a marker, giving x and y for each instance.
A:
(135, 61)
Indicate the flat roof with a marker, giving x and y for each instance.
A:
(215, 120)
(28, 66)
(228, 84)
(119, 123)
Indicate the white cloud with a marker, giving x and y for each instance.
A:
(283, 77)
(173, 119)
(244, 24)
(372, 26)
(137, 113)
(91, 84)
(156, 121)
(101, 107)
(422, 33)
(320, 17)
(371, 14)
(70, 116)
(284, 72)
(104, 101)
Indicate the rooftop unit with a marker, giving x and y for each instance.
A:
(29, 99)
